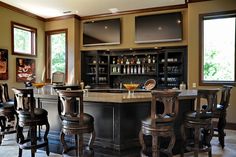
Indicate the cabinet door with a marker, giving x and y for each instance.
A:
(103, 69)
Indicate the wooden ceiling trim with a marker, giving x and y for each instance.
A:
(10, 7)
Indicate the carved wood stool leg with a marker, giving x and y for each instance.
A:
(141, 140)
(171, 144)
(81, 145)
(91, 140)
(2, 126)
(155, 149)
(221, 127)
(183, 140)
(46, 138)
(33, 131)
(20, 152)
(196, 140)
(62, 138)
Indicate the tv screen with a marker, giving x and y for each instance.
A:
(102, 32)
(158, 28)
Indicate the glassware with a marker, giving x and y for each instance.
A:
(38, 86)
(131, 88)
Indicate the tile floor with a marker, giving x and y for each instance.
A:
(10, 149)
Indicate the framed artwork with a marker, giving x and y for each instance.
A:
(3, 64)
(25, 70)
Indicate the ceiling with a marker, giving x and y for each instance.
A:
(55, 8)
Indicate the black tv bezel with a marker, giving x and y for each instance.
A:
(103, 44)
(163, 40)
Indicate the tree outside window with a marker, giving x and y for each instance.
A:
(23, 39)
(56, 46)
(218, 49)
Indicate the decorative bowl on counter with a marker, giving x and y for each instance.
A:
(150, 84)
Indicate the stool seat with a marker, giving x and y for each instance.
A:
(165, 119)
(194, 116)
(38, 114)
(8, 104)
(87, 118)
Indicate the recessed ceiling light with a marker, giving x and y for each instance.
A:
(113, 10)
(67, 12)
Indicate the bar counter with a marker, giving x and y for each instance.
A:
(117, 115)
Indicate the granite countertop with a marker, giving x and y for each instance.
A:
(113, 96)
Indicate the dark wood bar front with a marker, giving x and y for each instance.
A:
(117, 115)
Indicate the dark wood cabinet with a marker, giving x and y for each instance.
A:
(95, 68)
(172, 67)
(168, 66)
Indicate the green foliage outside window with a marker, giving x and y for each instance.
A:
(58, 49)
(22, 41)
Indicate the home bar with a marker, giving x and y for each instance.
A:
(118, 79)
(117, 114)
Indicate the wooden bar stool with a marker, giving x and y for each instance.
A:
(219, 113)
(7, 113)
(200, 121)
(75, 121)
(160, 125)
(30, 117)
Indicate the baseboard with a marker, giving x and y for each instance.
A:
(230, 126)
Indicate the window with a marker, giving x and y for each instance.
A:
(56, 46)
(217, 48)
(23, 39)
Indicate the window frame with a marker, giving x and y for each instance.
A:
(48, 53)
(202, 17)
(33, 32)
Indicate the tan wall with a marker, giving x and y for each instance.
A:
(72, 25)
(6, 17)
(128, 33)
(194, 9)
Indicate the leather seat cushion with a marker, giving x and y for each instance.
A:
(193, 115)
(165, 119)
(39, 113)
(9, 105)
(219, 107)
(87, 119)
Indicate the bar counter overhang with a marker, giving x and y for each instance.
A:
(117, 115)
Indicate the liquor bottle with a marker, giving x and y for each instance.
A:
(153, 59)
(138, 61)
(143, 69)
(149, 59)
(131, 69)
(128, 70)
(135, 69)
(127, 61)
(114, 61)
(121, 61)
(139, 69)
(124, 70)
(118, 60)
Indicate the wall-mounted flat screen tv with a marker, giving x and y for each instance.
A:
(158, 28)
(102, 32)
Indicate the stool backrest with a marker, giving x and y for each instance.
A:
(24, 100)
(225, 96)
(4, 92)
(70, 103)
(210, 95)
(170, 100)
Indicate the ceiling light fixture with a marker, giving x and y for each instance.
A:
(66, 12)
